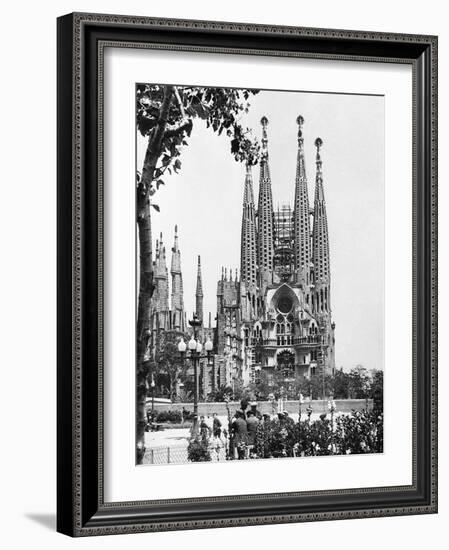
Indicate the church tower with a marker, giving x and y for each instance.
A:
(248, 256)
(301, 223)
(320, 242)
(199, 293)
(177, 298)
(161, 277)
(265, 242)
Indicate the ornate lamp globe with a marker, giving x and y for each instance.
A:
(192, 344)
(182, 346)
(199, 347)
(208, 345)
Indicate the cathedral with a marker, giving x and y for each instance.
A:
(276, 317)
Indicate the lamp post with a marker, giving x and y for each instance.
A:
(332, 408)
(195, 354)
(153, 384)
(301, 401)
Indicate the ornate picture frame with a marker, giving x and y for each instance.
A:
(81, 507)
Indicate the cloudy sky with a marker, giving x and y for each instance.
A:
(205, 201)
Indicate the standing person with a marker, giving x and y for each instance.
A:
(216, 426)
(244, 405)
(239, 435)
(252, 422)
(210, 423)
(217, 442)
(230, 445)
(255, 411)
(204, 428)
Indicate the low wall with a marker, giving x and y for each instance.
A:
(318, 406)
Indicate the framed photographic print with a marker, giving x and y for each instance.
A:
(247, 274)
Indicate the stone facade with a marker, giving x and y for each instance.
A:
(277, 317)
(168, 319)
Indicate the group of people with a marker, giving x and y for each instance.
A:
(239, 438)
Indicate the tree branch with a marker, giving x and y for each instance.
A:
(178, 129)
(181, 105)
(154, 142)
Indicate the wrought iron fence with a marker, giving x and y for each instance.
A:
(178, 455)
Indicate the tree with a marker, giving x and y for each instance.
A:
(377, 389)
(359, 383)
(268, 384)
(220, 394)
(168, 360)
(165, 116)
(340, 384)
(377, 381)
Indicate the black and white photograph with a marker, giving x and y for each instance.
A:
(260, 265)
(221, 280)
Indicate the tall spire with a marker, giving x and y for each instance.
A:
(199, 292)
(301, 223)
(320, 241)
(161, 278)
(265, 247)
(177, 297)
(248, 257)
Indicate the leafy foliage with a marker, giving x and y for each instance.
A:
(169, 416)
(168, 366)
(362, 432)
(198, 449)
(356, 384)
(175, 108)
(358, 433)
(220, 394)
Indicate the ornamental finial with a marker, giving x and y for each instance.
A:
(318, 145)
(300, 123)
(175, 240)
(264, 122)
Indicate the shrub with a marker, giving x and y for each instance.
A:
(188, 415)
(360, 432)
(169, 416)
(198, 449)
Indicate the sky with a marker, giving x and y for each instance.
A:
(205, 200)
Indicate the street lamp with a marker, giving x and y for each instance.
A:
(195, 350)
(153, 384)
(208, 345)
